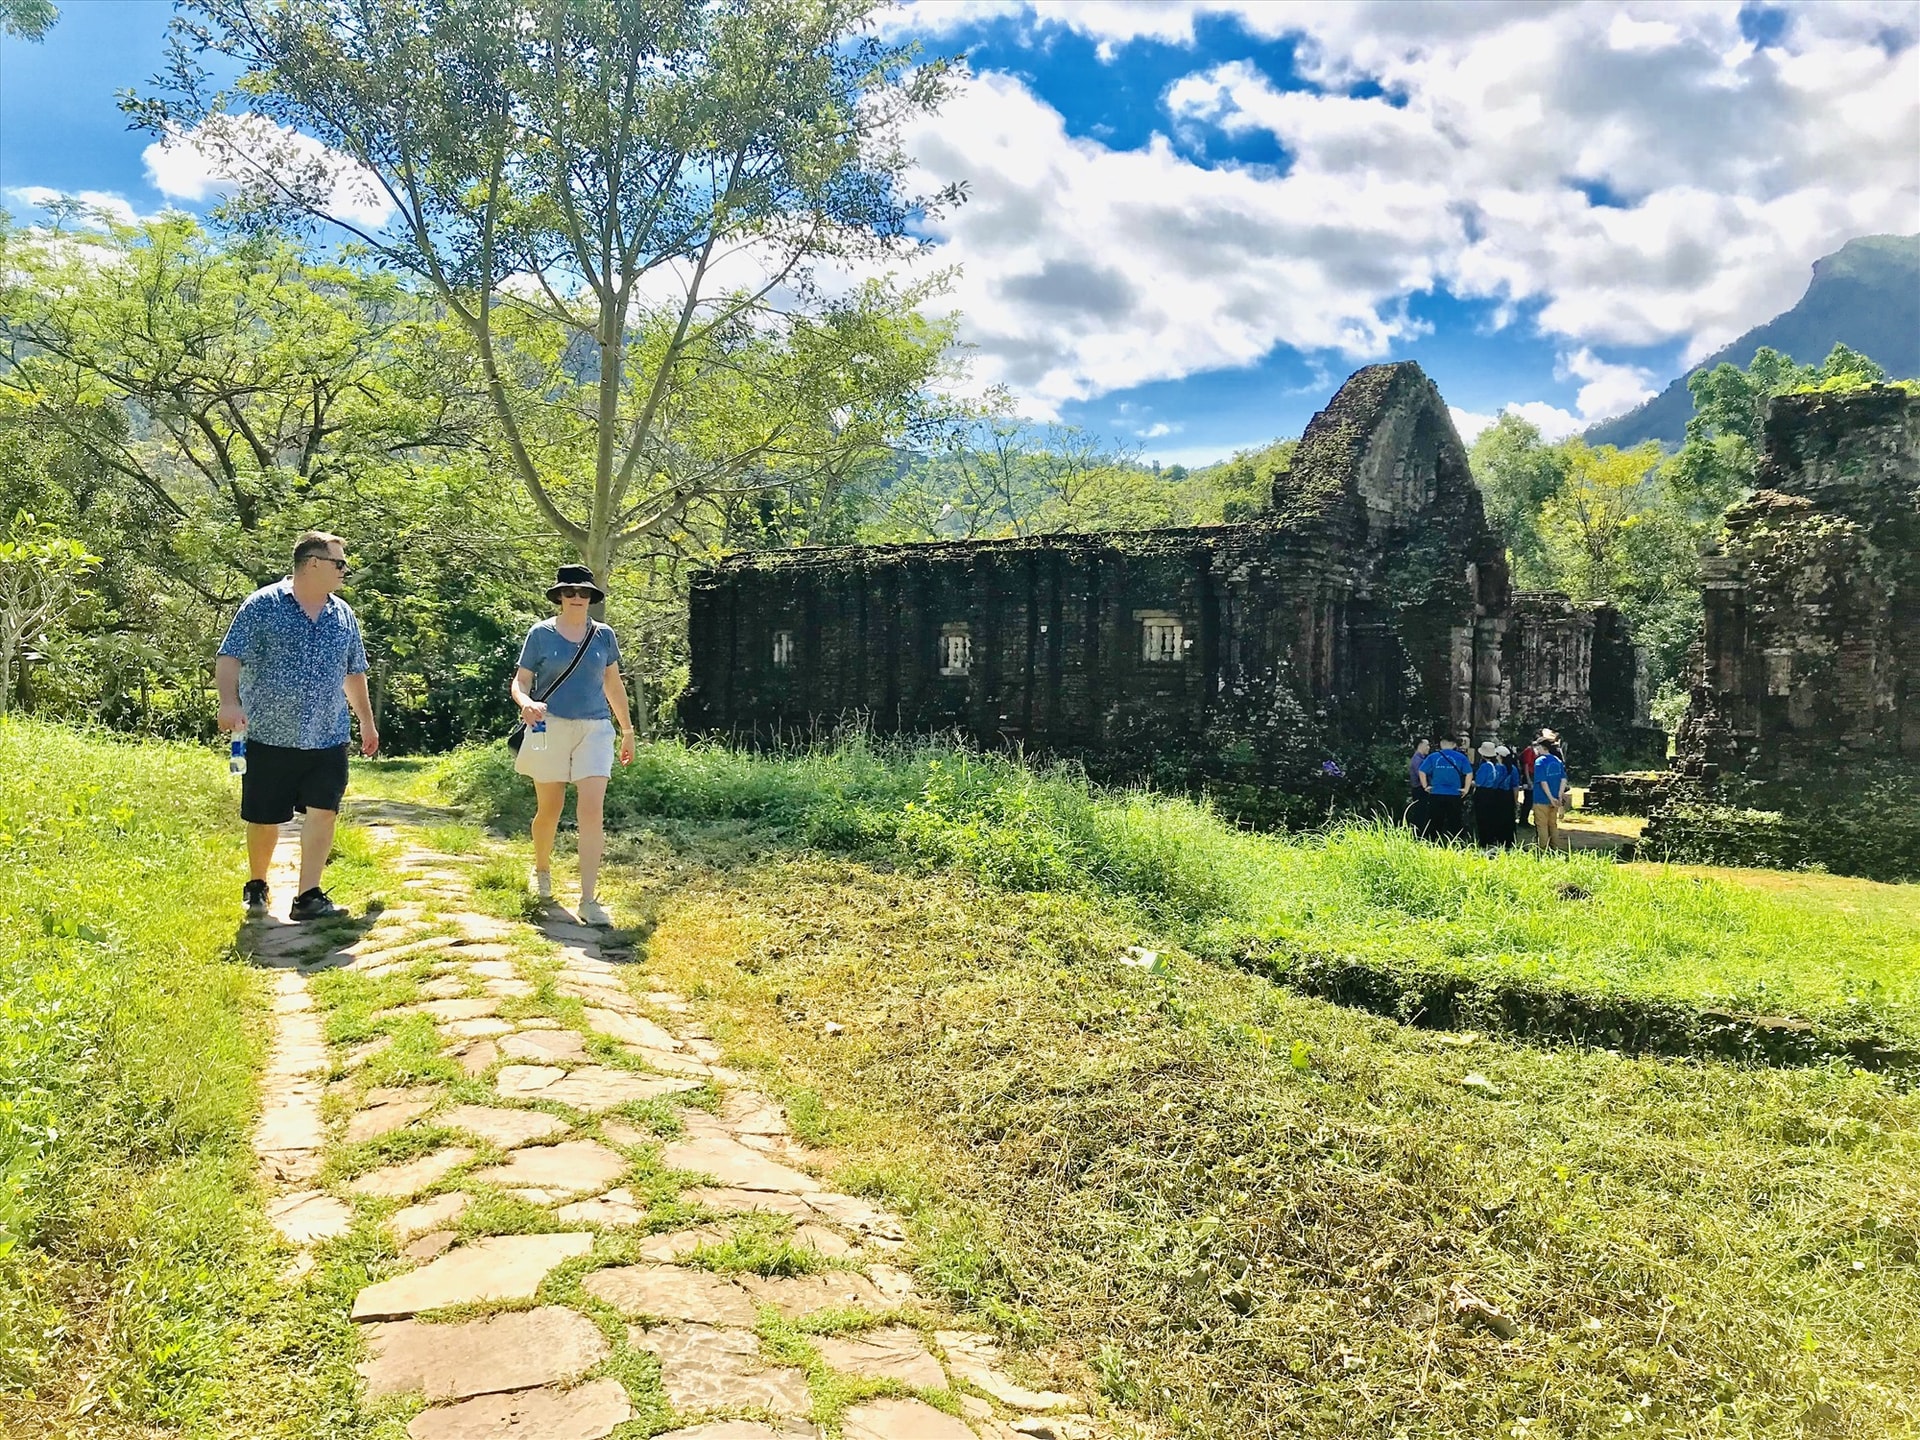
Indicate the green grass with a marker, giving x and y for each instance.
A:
(1370, 894)
(138, 1279)
(1245, 1212)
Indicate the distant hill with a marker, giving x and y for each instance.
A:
(1865, 295)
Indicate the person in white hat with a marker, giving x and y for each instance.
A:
(571, 696)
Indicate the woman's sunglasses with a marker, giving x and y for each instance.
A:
(573, 592)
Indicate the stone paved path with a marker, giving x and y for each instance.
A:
(556, 1155)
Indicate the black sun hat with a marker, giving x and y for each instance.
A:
(575, 577)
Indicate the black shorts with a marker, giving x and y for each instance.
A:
(281, 780)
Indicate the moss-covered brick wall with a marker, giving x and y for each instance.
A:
(1370, 604)
(1805, 710)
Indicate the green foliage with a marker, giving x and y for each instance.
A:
(40, 572)
(1127, 1164)
(1518, 473)
(29, 19)
(1372, 895)
(580, 186)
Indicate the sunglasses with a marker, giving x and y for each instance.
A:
(573, 592)
(339, 565)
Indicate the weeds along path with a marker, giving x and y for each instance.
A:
(574, 1221)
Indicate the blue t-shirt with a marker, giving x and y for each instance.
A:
(293, 670)
(1548, 772)
(1490, 775)
(1446, 771)
(547, 652)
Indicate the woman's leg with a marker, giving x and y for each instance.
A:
(589, 810)
(549, 799)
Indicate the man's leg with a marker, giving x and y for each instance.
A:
(589, 811)
(316, 843)
(549, 799)
(260, 842)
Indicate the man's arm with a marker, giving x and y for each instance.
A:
(226, 678)
(362, 706)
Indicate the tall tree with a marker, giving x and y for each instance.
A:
(658, 181)
(1518, 473)
(29, 19)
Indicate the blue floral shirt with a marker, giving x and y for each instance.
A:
(293, 670)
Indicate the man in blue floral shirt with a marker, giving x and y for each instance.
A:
(290, 667)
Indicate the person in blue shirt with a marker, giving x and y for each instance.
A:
(1492, 799)
(1417, 811)
(1548, 791)
(1447, 777)
(290, 668)
(577, 712)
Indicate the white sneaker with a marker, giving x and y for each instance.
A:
(592, 912)
(543, 884)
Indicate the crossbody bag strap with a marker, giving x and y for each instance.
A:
(593, 629)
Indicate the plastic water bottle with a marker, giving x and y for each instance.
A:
(237, 754)
(537, 736)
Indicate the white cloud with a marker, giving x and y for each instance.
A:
(211, 159)
(1469, 423)
(1156, 430)
(1471, 162)
(1552, 422)
(1609, 389)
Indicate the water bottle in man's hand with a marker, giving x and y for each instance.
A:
(237, 754)
(537, 735)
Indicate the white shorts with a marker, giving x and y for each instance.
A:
(575, 750)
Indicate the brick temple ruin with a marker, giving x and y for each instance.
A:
(1801, 742)
(1369, 604)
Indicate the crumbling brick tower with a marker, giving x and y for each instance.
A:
(1369, 603)
(1806, 701)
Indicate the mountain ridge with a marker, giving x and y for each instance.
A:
(1865, 295)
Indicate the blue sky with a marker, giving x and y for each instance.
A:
(1188, 222)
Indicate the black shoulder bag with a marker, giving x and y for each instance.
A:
(517, 736)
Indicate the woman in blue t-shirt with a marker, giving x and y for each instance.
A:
(571, 695)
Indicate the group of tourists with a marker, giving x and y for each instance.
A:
(293, 666)
(1456, 799)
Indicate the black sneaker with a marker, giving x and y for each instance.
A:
(255, 897)
(314, 905)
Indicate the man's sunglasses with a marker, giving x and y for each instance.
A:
(339, 565)
(573, 592)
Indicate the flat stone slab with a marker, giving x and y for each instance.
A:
(447, 987)
(799, 1295)
(379, 1119)
(399, 1182)
(307, 1216)
(746, 1113)
(717, 1197)
(507, 1129)
(509, 989)
(595, 995)
(480, 927)
(744, 1430)
(547, 1346)
(894, 1418)
(429, 1214)
(975, 1358)
(895, 1353)
(735, 1165)
(668, 1292)
(501, 1267)
(625, 1132)
(478, 1057)
(473, 1008)
(474, 1029)
(822, 1241)
(594, 1088)
(858, 1214)
(526, 1079)
(631, 1030)
(488, 969)
(672, 1062)
(678, 1244)
(537, 1045)
(605, 1212)
(589, 1412)
(704, 1368)
(571, 1167)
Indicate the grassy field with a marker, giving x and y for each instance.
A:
(1583, 925)
(1250, 1213)
(138, 1289)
